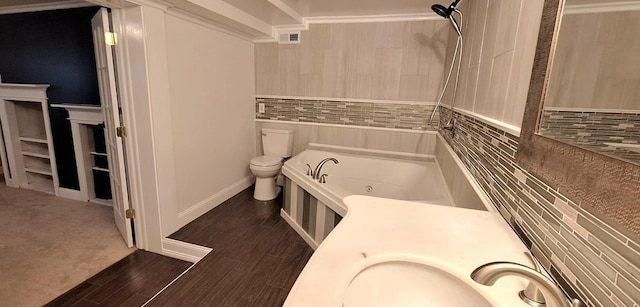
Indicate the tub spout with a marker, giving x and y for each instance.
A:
(489, 273)
(316, 172)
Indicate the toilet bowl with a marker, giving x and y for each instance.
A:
(277, 145)
(265, 168)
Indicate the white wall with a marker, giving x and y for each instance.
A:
(187, 92)
(499, 44)
(211, 85)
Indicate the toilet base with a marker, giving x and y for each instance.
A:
(266, 189)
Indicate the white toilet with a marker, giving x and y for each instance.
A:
(276, 145)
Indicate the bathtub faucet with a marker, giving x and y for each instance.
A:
(316, 172)
(489, 273)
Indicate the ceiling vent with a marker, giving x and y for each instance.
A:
(289, 38)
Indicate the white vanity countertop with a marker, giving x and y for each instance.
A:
(459, 239)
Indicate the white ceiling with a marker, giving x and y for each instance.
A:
(256, 18)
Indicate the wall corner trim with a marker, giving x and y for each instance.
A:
(183, 250)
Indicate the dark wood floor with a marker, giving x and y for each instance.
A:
(256, 258)
(129, 282)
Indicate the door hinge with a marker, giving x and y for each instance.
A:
(130, 213)
(111, 38)
(121, 132)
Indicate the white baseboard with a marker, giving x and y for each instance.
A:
(197, 210)
(305, 236)
(183, 250)
(70, 194)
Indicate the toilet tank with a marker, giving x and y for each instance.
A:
(277, 142)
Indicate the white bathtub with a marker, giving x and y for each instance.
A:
(419, 181)
(313, 209)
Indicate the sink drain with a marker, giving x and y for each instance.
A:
(368, 188)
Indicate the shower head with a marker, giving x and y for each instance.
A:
(445, 11)
(441, 10)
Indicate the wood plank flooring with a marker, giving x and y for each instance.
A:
(256, 258)
(129, 282)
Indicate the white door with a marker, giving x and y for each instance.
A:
(111, 111)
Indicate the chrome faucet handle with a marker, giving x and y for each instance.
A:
(309, 170)
(316, 171)
(533, 259)
(488, 274)
(532, 294)
(323, 178)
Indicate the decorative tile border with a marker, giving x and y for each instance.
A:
(587, 257)
(592, 130)
(368, 114)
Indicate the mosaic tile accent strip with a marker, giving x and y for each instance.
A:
(367, 114)
(587, 257)
(592, 130)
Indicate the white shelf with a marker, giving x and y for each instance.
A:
(41, 171)
(100, 169)
(95, 153)
(33, 140)
(27, 131)
(33, 154)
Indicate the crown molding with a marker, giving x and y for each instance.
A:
(372, 18)
(27, 8)
(622, 6)
(346, 19)
(265, 40)
(184, 15)
(157, 4)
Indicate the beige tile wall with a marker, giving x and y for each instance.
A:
(385, 61)
(499, 44)
(596, 64)
(387, 140)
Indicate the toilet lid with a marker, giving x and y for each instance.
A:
(266, 161)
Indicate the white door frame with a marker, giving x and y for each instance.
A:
(137, 112)
(146, 108)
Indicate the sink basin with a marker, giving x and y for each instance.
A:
(406, 281)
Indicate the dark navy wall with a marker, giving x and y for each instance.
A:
(53, 47)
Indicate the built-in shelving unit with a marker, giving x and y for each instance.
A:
(26, 137)
(89, 150)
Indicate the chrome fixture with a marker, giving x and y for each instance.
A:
(309, 170)
(447, 12)
(532, 294)
(316, 172)
(323, 178)
(488, 274)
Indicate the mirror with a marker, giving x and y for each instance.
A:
(593, 100)
(607, 187)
